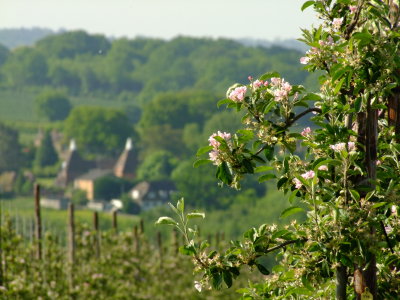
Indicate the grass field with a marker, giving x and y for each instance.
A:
(21, 211)
(17, 108)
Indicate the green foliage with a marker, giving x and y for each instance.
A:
(120, 270)
(347, 180)
(52, 105)
(25, 67)
(98, 129)
(109, 187)
(129, 207)
(78, 197)
(10, 149)
(73, 43)
(4, 53)
(157, 166)
(45, 154)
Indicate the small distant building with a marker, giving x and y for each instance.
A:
(73, 166)
(7, 180)
(126, 164)
(55, 202)
(86, 181)
(150, 194)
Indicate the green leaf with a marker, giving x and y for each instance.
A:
(263, 169)
(269, 152)
(201, 162)
(216, 281)
(357, 104)
(293, 196)
(269, 106)
(290, 211)
(166, 221)
(307, 4)
(224, 101)
(227, 278)
(224, 174)
(266, 177)
(281, 182)
(187, 250)
(269, 75)
(181, 205)
(196, 215)
(262, 264)
(355, 195)
(245, 135)
(339, 86)
(203, 150)
(379, 204)
(311, 97)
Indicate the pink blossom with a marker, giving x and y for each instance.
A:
(238, 93)
(394, 210)
(297, 183)
(280, 94)
(275, 81)
(388, 229)
(286, 86)
(250, 78)
(214, 157)
(351, 146)
(257, 84)
(306, 132)
(213, 142)
(330, 40)
(342, 146)
(337, 22)
(321, 43)
(353, 8)
(378, 162)
(323, 168)
(265, 83)
(338, 147)
(304, 60)
(308, 175)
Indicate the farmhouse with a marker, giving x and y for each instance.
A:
(150, 194)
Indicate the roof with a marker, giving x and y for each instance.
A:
(94, 174)
(160, 185)
(126, 164)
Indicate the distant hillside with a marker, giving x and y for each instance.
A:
(288, 44)
(14, 37)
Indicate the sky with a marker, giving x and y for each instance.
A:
(258, 19)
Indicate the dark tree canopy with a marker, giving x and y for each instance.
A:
(53, 105)
(46, 155)
(26, 66)
(73, 43)
(10, 152)
(98, 130)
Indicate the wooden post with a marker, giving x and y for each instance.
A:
(96, 230)
(141, 226)
(38, 227)
(71, 244)
(175, 241)
(217, 239)
(209, 237)
(136, 239)
(114, 221)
